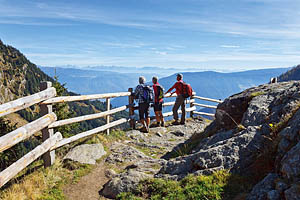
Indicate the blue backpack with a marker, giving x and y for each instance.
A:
(147, 94)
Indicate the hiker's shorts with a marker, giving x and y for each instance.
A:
(157, 107)
(144, 110)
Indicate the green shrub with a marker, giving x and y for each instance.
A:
(219, 185)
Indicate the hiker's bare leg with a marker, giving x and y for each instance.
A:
(157, 116)
(183, 112)
(148, 121)
(143, 122)
(161, 117)
(175, 108)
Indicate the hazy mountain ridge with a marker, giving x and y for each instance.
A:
(221, 85)
(208, 84)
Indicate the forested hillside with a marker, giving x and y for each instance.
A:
(19, 77)
(291, 75)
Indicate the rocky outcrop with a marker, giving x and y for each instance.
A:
(86, 153)
(255, 132)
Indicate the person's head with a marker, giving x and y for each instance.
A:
(179, 77)
(154, 79)
(142, 80)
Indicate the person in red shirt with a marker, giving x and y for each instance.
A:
(158, 101)
(179, 100)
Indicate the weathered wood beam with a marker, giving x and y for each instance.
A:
(131, 109)
(203, 113)
(208, 99)
(173, 102)
(85, 97)
(86, 117)
(179, 111)
(23, 162)
(88, 133)
(107, 117)
(26, 102)
(24, 132)
(174, 95)
(205, 106)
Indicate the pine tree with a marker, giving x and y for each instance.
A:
(62, 111)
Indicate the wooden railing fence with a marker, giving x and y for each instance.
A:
(50, 140)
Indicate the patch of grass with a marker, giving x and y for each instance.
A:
(149, 151)
(220, 185)
(44, 183)
(255, 94)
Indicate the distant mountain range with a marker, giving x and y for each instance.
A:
(207, 84)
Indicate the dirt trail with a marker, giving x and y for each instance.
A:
(145, 150)
(88, 186)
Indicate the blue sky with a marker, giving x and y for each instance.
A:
(223, 35)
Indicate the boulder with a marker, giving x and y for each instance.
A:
(265, 188)
(224, 150)
(293, 193)
(86, 153)
(125, 182)
(291, 164)
(121, 153)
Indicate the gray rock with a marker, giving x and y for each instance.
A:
(110, 173)
(261, 190)
(133, 133)
(159, 134)
(86, 153)
(281, 186)
(291, 164)
(273, 195)
(160, 130)
(224, 150)
(257, 111)
(121, 153)
(125, 182)
(178, 133)
(293, 193)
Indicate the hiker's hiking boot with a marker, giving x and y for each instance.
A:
(175, 123)
(162, 124)
(155, 125)
(144, 130)
(182, 123)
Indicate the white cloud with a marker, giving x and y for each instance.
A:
(230, 46)
(161, 53)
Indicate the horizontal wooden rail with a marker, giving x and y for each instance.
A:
(203, 113)
(173, 102)
(25, 102)
(186, 110)
(208, 99)
(24, 132)
(205, 106)
(86, 117)
(88, 133)
(23, 162)
(85, 97)
(174, 95)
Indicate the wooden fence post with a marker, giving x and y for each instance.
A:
(131, 109)
(191, 105)
(107, 117)
(48, 157)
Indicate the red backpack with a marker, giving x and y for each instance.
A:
(187, 90)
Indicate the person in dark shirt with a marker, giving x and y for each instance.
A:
(143, 104)
(179, 100)
(158, 101)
